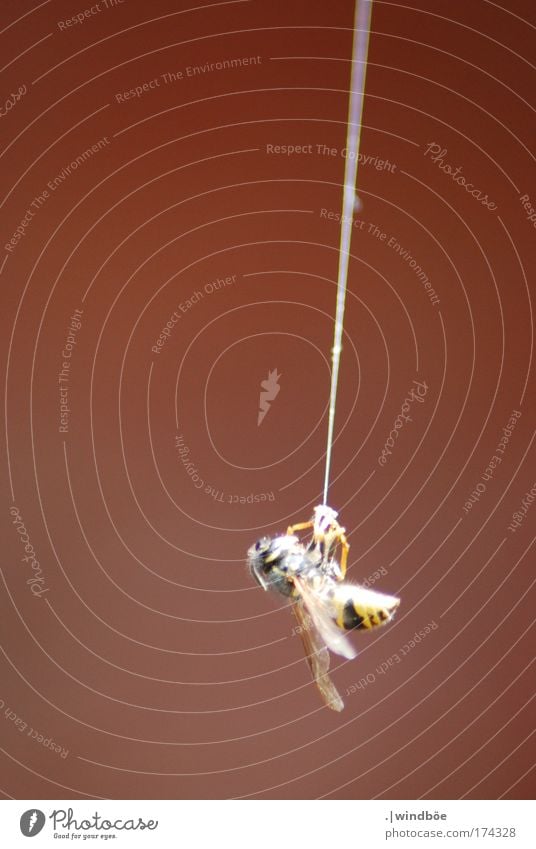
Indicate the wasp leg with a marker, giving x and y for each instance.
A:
(302, 526)
(345, 546)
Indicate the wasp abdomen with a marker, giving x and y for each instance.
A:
(363, 609)
(351, 618)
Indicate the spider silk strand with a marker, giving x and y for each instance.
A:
(363, 10)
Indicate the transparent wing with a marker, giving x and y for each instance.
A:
(372, 598)
(320, 613)
(317, 657)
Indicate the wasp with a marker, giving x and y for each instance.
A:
(325, 604)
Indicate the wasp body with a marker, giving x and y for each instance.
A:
(324, 603)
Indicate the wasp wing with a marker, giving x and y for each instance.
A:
(322, 615)
(317, 657)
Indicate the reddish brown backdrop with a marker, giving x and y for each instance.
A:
(142, 650)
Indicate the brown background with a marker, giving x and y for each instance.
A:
(153, 658)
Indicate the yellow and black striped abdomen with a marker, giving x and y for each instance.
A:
(361, 608)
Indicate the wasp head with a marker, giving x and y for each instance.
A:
(269, 560)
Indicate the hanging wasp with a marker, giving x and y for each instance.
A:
(324, 603)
